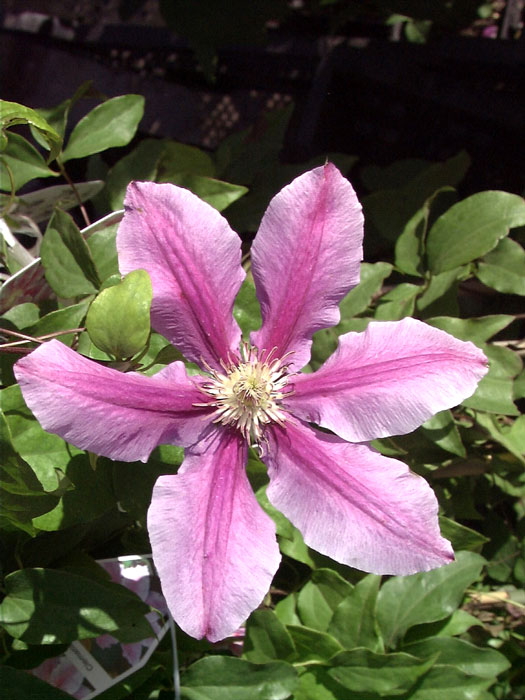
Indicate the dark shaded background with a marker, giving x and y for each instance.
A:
(360, 88)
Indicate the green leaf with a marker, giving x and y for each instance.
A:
(267, 639)
(12, 114)
(458, 623)
(22, 315)
(471, 228)
(426, 597)
(486, 663)
(74, 506)
(504, 359)
(391, 208)
(354, 621)
(140, 164)
(515, 436)
(284, 527)
(417, 31)
(519, 385)
(363, 671)
(325, 343)
(512, 440)
(20, 685)
(316, 684)
(504, 268)
(122, 334)
(440, 297)
(320, 596)
(102, 245)
(60, 320)
(216, 193)
(360, 298)
(55, 462)
(66, 258)
(495, 391)
(286, 610)
(295, 548)
(43, 451)
(160, 353)
(227, 678)
(22, 495)
(246, 310)
(180, 158)
(112, 123)
(409, 245)
(46, 606)
(478, 330)
(442, 430)
(460, 536)
(449, 683)
(398, 303)
(25, 163)
(313, 645)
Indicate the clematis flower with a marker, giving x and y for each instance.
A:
(215, 549)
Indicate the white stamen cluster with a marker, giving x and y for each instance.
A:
(248, 395)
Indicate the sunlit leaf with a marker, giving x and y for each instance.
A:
(363, 671)
(140, 164)
(313, 645)
(66, 258)
(122, 334)
(24, 161)
(12, 114)
(405, 601)
(442, 430)
(246, 310)
(461, 537)
(472, 228)
(320, 596)
(354, 622)
(227, 678)
(267, 639)
(358, 299)
(504, 268)
(112, 123)
(485, 663)
(216, 193)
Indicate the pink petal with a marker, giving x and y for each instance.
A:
(121, 416)
(353, 504)
(132, 651)
(388, 380)
(305, 258)
(194, 261)
(106, 640)
(214, 548)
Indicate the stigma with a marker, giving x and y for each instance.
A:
(247, 395)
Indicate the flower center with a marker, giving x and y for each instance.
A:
(248, 395)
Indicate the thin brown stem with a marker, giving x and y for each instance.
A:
(75, 192)
(13, 346)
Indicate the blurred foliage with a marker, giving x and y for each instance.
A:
(212, 25)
